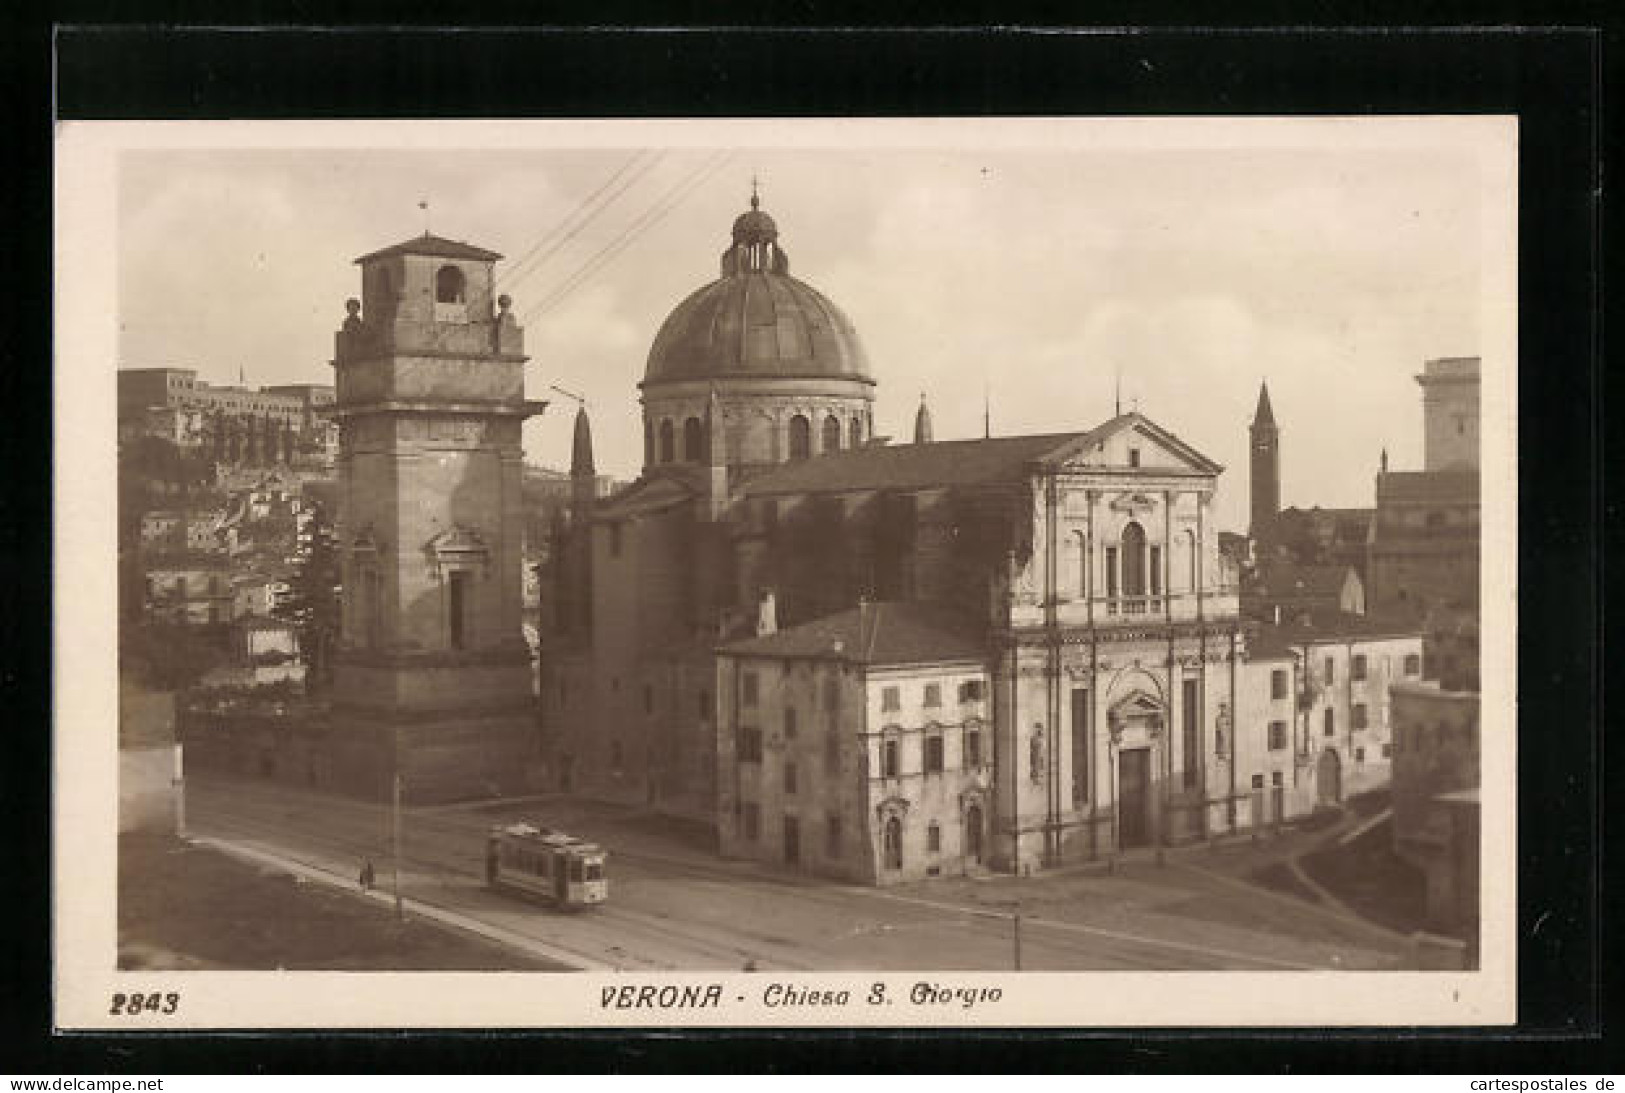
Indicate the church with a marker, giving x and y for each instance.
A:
(885, 661)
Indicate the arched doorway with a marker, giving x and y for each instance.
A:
(1329, 778)
(973, 834)
(893, 840)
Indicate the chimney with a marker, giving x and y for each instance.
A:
(767, 617)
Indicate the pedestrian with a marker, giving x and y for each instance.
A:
(367, 875)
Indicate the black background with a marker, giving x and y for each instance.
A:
(1555, 79)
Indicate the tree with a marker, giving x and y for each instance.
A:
(312, 604)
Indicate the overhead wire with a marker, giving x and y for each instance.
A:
(535, 258)
(663, 206)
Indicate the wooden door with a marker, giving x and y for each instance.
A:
(1134, 797)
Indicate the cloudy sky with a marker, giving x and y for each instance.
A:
(1042, 270)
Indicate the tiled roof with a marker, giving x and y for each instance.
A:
(1286, 580)
(654, 492)
(1427, 486)
(1324, 626)
(913, 466)
(435, 247)
(876, 634)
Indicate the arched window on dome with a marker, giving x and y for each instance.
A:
(667, 442)
(648, 443)
(449, 285)
(693, 440)
(857, 433)
(832, 433)
(1133, 560)
(800, 437)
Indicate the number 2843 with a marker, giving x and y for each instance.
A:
(132, 1004)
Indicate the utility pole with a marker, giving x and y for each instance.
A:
(395, 838)
(1015, 931)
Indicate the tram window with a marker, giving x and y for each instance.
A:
(575, 869)
(594, 871)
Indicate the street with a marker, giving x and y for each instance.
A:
(675, 905)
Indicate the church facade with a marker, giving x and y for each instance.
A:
(889, 661)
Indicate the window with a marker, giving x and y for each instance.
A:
(1277, 736)
(832, 433)
(748, 749)
(1278, 684)
(1156, 571)
(1357, 668)
(752, 816)
(1189, 736)
(970, 691)
(1134, 457)
(1359, 755)
(933, 694)
(1413, 664)
(832, 836)
(1275, 778)
(894, 843)
(1111, 572)
(693, 440)
(747, 689)
(1387, 751)
(800, 437)
(789, 777)
(1331, 670)
(933, 753)
(457, 607)
(648, 443)
(933, 837)
(891, 698)
(789, 722)
(1133, 560)
(1358, 715)
(668, 442)
(448, 285)
(1258, 781)
(1331, 722)
(889, 759)
(1080, 745)
(856, 433)
(973, 749)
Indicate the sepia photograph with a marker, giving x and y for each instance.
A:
(854, 572)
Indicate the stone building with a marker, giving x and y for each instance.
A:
(233, 424)
(432, 675)
(1424, 550)
(881, 661)
(1287, 590)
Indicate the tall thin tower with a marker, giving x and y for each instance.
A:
(1265, 459)
(432, 674)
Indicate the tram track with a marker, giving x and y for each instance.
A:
(440, 837)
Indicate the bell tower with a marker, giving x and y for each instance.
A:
(432, 672)
(1265, 463)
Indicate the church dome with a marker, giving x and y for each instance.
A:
(756, 320)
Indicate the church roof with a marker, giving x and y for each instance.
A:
(1263, 415)
(435, 247)
(984, 462)
(756, 320)
(876, 634)
(914, 466)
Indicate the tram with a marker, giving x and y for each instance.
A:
(560, 868)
